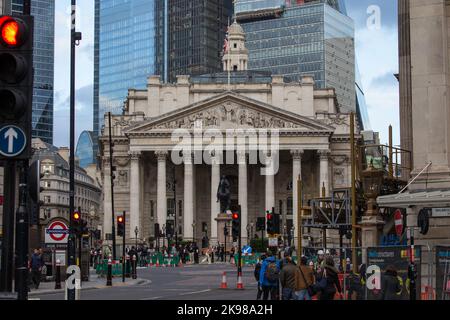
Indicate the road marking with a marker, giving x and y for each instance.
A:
(153, 298)
(196, 292)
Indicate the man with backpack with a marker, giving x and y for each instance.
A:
(269, 277)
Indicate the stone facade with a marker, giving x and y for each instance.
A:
(313, 141)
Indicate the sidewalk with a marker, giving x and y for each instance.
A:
(95, 282)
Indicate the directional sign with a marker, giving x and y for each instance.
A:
(398, 218)
(12, 141)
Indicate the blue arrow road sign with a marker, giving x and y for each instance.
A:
(12, 141)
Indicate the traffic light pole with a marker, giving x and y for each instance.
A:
(71, 242)
(240, 244)
(22, 224)
(8, 227)
(123, 254)
(111, 144)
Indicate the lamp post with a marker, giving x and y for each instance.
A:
(371, 221)
(193, 231)
(285, 234)
(251, 231)
(136, 231)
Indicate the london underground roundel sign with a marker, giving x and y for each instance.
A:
(57, 232)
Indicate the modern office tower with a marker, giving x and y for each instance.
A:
(190, 36)
(124, 53)
(85, 149)
(298, 38)
(44, 62)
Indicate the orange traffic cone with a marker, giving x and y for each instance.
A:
(240, 285)
(224, 281)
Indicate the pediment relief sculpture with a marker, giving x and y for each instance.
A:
(229, 115)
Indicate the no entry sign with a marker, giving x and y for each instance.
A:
(57, 232)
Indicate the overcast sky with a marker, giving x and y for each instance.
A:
(376, 50)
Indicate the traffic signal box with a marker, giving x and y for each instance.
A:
(75, 222)
(273, 223)
(236, 226)
(121, 226)
(16, 82)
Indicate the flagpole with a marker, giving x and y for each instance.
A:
(229, 56)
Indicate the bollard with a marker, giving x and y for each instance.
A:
(128, 267)
(134, 267)
(58, 275)
(109, 276)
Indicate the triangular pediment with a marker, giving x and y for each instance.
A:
(229, 111)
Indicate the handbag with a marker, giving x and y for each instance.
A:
(311, 290)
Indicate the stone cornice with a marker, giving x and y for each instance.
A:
(168, 133)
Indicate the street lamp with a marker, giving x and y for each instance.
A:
(193, 231)
(136, 231)
(372, 180)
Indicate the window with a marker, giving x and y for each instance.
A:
(152, 209)
(180, 209)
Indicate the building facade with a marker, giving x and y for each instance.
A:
(190, 36)
(44, 62)
(425, 113)
(54, 164)
(124, 53)
(306, 38)
(85, 149)
(313, 143)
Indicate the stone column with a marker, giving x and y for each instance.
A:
(296, 173)
(324, 175)
(270, 188)
(215, 206)
(135, 193)
(243, 191)
(188, 197)
(161, 203)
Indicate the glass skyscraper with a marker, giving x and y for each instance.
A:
(297, 37)
(44, 61)
(190, 36)
(85, 149)
(124, 53)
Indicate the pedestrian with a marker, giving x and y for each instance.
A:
(354, 286)
(269, 277)
(329, 281)
(222, 253)
(390, 285)
(304, 280)
(232, 251)
(36, 268)
(287, 279)
(257, 274)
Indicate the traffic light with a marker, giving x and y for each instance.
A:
(169, 229)
(236, 226)
(121, 226)
(270, 222)
(16, 86)
(225, 231)
(34, 191)
(84, 230)
(276, 224)
(75, 222)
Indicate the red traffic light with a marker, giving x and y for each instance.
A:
(12, 31)
(269, 216)
(235, 216)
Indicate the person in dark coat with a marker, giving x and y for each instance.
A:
(36, 264)
(390, 284)
(257, 274)
(287, 279)
(331, 280)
